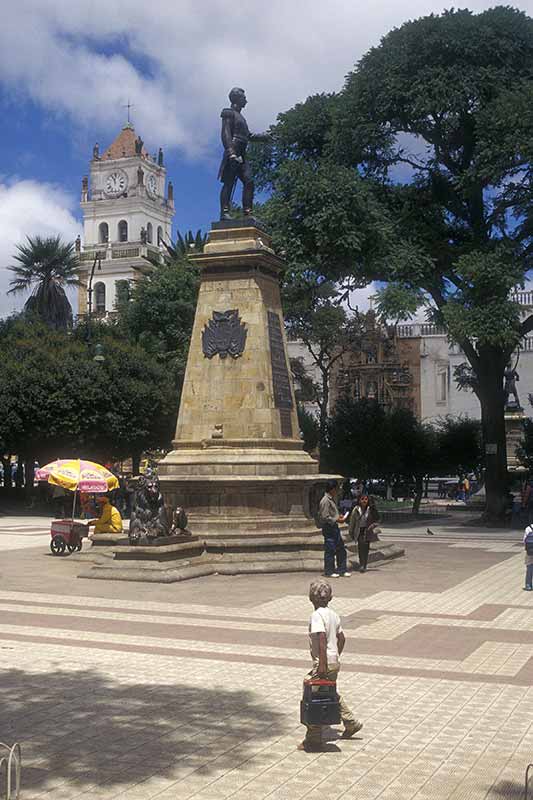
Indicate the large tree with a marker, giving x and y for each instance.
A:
(419, 173)
(57, 400)
(46, 267)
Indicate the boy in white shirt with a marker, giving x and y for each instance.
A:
(326, 643)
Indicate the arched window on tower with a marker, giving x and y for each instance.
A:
(123, 231)
(149, 232)
(99, 297)
(159, 234)
(103, 233)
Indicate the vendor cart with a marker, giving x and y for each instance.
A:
(67, 535)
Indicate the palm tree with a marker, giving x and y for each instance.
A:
(46, 266)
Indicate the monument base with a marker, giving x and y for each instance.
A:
(514, 431)
(232, 556)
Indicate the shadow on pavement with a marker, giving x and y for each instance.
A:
(84, 729)
(509, 790)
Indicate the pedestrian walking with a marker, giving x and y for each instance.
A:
(363, 520)
(329, 518)
(326, 643)
(528, 558)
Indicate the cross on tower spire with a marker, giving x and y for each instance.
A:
(129, 106)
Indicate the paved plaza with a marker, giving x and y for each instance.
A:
(192, 690)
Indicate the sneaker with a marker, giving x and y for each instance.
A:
(528, 589)
(334, 575)
(346, 575)
(351, 729)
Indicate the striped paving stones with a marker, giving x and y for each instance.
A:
(192, 692)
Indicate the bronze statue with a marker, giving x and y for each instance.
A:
(235, 138)
(144, 235)
(139, 144)
(96, 152)
(509, 388)
(160, 157)
(151, 518)
(140, 177)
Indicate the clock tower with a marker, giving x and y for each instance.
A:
(127, 214)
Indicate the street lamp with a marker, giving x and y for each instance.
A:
(99, 354)
(97, 260)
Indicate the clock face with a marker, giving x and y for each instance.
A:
(116, 183)
(151, 184)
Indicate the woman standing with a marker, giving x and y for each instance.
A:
(364, 516)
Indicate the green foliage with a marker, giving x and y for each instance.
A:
(396, 302)
(459, 446)
(160, 315)
(45, 267)
(525, 449)
(420, 175)
(58, 401)
(368, 441)
(309, 428)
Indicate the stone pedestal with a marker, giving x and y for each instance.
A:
(514, 431)
(238, 464)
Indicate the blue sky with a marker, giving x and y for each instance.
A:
(67, 69)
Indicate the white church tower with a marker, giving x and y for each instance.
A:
(127, 213)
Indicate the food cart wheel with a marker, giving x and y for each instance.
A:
(57, 545)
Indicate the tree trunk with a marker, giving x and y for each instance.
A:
(28, 476)
(19, 474)
(323, 416)
(491, 399)
(419, 491)
(136, 463)
(6, 464)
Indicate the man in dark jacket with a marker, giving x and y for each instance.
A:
(334, 549)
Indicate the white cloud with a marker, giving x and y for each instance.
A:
(28, 208)
(177, 59)
(362, 298)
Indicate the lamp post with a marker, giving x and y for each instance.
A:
(97, 260)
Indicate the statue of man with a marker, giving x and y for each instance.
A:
(235, 138)
(509, 388)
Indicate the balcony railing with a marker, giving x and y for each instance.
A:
(116, 250)
(412, 329)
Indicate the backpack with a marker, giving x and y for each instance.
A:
(528, 541)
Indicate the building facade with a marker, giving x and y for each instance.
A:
(439, 358)
(127, 213)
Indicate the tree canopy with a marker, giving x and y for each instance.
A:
(58, 401)
(418, 173)
(45, 266)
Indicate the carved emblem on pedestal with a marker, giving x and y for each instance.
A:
(224, 334)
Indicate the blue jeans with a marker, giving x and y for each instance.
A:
(529, 576)
(334, 549)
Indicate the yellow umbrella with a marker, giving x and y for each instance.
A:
(76, 473)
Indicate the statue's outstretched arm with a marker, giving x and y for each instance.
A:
(261, 137)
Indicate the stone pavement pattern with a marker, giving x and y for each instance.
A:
(192, 690)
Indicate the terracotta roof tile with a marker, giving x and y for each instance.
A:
(124, 145)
